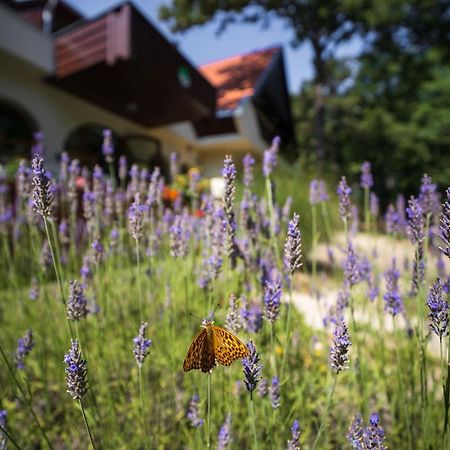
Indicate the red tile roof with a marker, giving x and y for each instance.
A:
(236, 77)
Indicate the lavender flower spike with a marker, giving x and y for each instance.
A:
(24, 347)
(339, 348)
(344, 192)
(248, 163)
(373, 435)
(193, 413)
(76, 302)
(107, 146)
(351, 270)
(444, 226)
(293, 245)
(76, 372)
(270, 157)
(224, 437)
(392, 298)
(141, 345)
(252, 368)
(355, 433)
(272, 297)
(136, 217)
(294, 442)
(42, 192)
(438, 310)
(366, 175)
(274, 393)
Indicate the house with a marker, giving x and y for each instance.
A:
(71, 77)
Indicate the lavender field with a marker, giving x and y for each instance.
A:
(106, 278)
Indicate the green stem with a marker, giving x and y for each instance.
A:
(141, 396)
(402, 387)
(208, 417)
(324, 415)
(25, 398)
(58, 278)
(11, 439)
(138, 281)
(252, 419)
(288, 328)
(86, 424)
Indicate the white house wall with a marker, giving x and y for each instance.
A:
(58, 113)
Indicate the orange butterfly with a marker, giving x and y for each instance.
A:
(212, 344)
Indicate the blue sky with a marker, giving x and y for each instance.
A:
(201, 45)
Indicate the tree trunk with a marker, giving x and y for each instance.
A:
(320, 80)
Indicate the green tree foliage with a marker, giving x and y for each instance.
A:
(390, 105)
(323, 25)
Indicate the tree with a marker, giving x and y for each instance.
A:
(322, 24)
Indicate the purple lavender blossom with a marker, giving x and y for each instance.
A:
(224, 436)
(393, 221)
(33, 292)
(344, 192)
(274, 393)
(393, 301)
(253, 317)
(314, 195)
(444, 226)
(355, 433)
(351, 269)
(438, 310)
(153, 197)
(294, 442)
(374, 204)
(179, 237)
(86, 271)
(122, 169)
(252, 368)
(141, 345)
(24, 346)
(366, 175)
(76, 371)
(373, 435)
(293, 245)
(42, 192)
(233, 320)
(193, 412)
(173, 165)
(98, 251)
(108, 146)
(428, 196)
(248, 162)
(270, 157)
(339, 349)
(317, 192)
(263, 388)
(76, 302)
(38, 148)
(136, 217)
(272, 297)
(229, 178)
(416, 234)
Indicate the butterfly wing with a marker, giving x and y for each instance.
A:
(193, 358)
(227, 346)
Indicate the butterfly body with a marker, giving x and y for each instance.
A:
(211, 345)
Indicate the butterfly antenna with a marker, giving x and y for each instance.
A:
(193, 315)
(214, 311)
